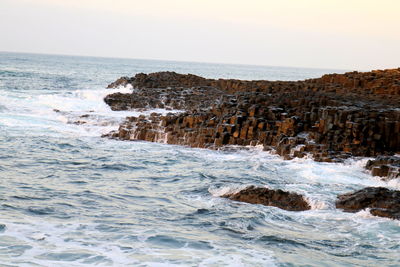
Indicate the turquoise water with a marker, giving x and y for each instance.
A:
(71, 198)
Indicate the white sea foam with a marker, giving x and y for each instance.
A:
(254, 258)
(350, 172)
(45, 240)
(170, 191)
(317, 204)
(218, 192)
(365, 214)
(394, 183)
(45, 237)
(80, 112)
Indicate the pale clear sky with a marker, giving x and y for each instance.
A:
(344, 34)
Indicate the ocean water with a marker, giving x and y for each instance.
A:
(71, 198)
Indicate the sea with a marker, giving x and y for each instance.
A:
(69, 197)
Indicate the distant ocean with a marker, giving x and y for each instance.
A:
(71, 198)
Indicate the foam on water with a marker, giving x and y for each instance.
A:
(317, 204)
(71, 198)
(225, 190)
(44, 243)
(59, 111)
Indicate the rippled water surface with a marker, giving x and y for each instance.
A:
(71, 198)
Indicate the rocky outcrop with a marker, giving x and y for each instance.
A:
(331, 118)
(169, 79)
(385, 166)
(179, 98)
(123, 81)
(381, 202)
(268, 197)
(383, 85)
(378, 83)
(334, 117)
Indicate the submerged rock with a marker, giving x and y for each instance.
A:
(269, 197)
(381, 202)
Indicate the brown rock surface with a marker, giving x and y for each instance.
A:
(180, 98)
(123, 81)
(333, 117)
(381, 201)
(385, 166)
(268, 197)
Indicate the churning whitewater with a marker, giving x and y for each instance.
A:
(71, 198)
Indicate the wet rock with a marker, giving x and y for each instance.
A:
(195, 98)
(168, 79)
(120, 101)
(123, 81)
(331, 118)
(381, 201)
(385, 166)
(268, 197)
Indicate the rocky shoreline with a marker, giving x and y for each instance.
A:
(331, 118)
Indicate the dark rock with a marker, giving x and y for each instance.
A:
(120, 101)
(168, 79)
(382, 201)
(385, 166)
(195, 98)
(268, 197)
(123, 81)
(332, 118)
(388, 213)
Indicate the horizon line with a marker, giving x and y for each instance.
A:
(183, 61)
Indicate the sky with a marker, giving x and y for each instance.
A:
(340, 34)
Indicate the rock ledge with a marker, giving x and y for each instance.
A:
(381, 202)
(268, 197)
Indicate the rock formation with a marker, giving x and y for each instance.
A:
(268, 197)
(123, 81)
(180, 98)
(333, 117)
(385, 166)
(381, 201)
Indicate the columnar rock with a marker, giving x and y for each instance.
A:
(374, 84)
(333, 117)
(268, 197)
(381, 202)
(171, 98)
